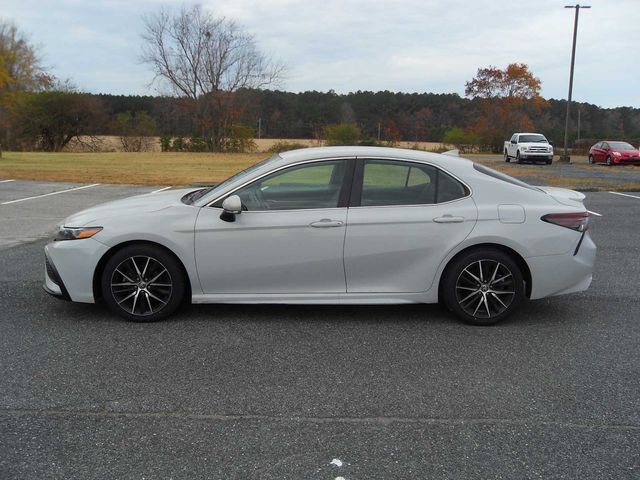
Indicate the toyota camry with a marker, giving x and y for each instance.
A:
(335, 225)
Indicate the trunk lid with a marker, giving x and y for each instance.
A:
(565, 196)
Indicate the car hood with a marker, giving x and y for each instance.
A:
(534, 144)
(150, 202)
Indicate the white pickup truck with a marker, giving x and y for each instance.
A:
(532, 147)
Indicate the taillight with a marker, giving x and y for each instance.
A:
(578, 221)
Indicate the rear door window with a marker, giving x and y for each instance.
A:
(390, 182)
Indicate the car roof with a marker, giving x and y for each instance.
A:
(294, 156)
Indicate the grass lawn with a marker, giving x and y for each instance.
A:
(121, 167)
(169, 168)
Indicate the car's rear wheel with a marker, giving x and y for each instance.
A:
(143, 283)
(506, 157)
(483, 286)
(609, 163)
(591, 159)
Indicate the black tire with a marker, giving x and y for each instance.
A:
(609, 163)
(147, 273)
(518, 159)
(550, 161)
(498, 295)
(590, 159)
(506, 157)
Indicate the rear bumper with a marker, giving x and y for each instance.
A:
(566, 273)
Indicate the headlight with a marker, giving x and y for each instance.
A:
(524, 149)
(617, 154)
(72, 233)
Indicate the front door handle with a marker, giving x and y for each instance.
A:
(326, 223)
(448, 219)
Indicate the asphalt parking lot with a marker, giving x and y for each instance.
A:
(295, 392)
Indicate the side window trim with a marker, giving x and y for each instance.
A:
(343, 197)
(358, 180)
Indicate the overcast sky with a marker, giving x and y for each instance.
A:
(398, 45)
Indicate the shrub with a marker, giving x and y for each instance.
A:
(283, 146)
(197, 144)
(165, 143)
(241, 140)
(369, 142)
(342, 134)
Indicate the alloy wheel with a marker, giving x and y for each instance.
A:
(485, 288)
(141, 285)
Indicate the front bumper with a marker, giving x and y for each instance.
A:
(566, 273)
(69, 268)
(626, 160)
(536, 156)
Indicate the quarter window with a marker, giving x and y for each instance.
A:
(315, 185)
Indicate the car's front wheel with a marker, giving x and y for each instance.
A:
(483, 286)
(142, 283)
(518, 159)
(609, 162)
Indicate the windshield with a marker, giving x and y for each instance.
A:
(191, 197)
(532, 139)
(621, 145)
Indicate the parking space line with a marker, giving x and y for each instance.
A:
(5, 181)
(161, 190)
(49, 194)
(625, 195)
(594, 213)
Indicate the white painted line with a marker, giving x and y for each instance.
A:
(161, 190)
(5, 181)
(625, 195)
(49, 194)
(594, 213)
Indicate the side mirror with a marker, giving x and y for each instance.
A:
(514, 142)
(231, 207)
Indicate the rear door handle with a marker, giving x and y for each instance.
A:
(448, 219)
(326, 223)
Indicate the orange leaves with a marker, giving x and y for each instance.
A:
(508, 99)
(515, 82)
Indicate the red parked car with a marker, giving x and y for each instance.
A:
(613, 153)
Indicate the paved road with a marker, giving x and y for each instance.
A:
(31, 210)
(279, 392)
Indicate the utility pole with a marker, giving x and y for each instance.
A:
(577, 7)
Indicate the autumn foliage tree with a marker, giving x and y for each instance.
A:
(20, 71)
(507, 99)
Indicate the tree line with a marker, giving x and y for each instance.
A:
(223, 95)
(49, 120)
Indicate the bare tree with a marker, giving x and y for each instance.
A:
(207, 60)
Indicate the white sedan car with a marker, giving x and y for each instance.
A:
(339, 225)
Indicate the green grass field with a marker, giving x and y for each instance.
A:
(169, 168)
(120, 167)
